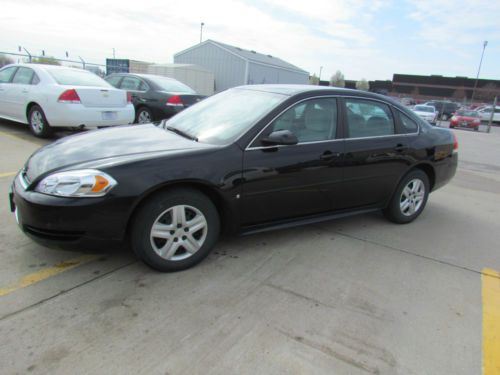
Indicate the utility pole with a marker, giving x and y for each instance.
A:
(114, 54)
(492, 114)
(319, 78)
(485, 43)
(201, 31)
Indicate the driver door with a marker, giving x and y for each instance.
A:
(282, 182)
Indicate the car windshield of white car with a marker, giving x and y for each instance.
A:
(223, 118)
(75, 77)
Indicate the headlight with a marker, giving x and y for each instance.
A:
(82, 183)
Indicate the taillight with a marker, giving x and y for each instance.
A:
(455, 142)
(69, 96)
(129, 97)
(175, 101)
(454, 118)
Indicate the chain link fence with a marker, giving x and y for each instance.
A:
(11, 58)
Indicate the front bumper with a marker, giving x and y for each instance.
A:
(69, 223)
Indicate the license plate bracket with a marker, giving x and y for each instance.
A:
(109, 115)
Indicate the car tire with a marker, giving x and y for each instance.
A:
(144, 116)
(175, 229)
(38, 123)
(476, 129)
(409, 199)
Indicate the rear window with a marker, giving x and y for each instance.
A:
(468, 113)
(171, 85)
(73, 77)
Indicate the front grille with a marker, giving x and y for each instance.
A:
(57, 235)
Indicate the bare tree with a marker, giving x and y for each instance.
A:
(5, 60)
(314, 80)
(337, 79)
(363, 85)
(488, 92)
(49, 60)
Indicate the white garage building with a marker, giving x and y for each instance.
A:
(234, 66)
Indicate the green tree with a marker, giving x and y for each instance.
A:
(314, 80)
(49, 60)
(5, 60)
(363, 85)
(337, 80)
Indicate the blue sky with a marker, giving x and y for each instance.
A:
(363, 39)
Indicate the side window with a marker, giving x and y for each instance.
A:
(130, 83)
(143, 86)
(23, 76)
(5, 74)
(409, 126)
(311, 121)
(113, 81)
(366, 118)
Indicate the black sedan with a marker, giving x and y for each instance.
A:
(246, 160)
(154, 97)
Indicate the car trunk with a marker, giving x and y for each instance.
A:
(101, 97)
(188, 99)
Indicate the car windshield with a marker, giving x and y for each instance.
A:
(171, 85)
(468, 113)
(75, 77)
(222, 118)
(424, 108)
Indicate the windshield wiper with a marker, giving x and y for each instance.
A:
(182, 133)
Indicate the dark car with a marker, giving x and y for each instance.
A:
(154, 97)
(246, 160)
(444, 108)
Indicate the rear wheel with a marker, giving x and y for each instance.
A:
(38, 123)
(175, 229)
(144, 116)
(409, 199)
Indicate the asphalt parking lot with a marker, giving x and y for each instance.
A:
(354, 296)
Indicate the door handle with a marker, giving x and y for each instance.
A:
(400, 148)
(328, 155)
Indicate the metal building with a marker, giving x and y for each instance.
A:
(234, 66)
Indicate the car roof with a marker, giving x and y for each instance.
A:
(141, 75)
(292, 90)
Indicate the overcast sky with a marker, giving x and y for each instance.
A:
(364, 39)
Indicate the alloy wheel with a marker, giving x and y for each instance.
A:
(178, 232)
(412, 197)
(144, 117)
(37, 121)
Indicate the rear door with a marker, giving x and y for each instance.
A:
(19, 94)
(281, 182)
(377, 152)
(6, 75)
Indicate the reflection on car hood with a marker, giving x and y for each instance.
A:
(105, 144)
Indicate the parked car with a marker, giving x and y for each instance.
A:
(48, 96)
(485, 114)
(246, 160)
(155, 97)
(446, 109)
(426, 112)
(465, 119)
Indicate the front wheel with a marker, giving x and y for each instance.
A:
(38, 123)
(409, 199)
(175, 229)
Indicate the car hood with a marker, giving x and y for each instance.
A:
(106, 145)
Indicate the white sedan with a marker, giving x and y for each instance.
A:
(485, 114)
(48, 96)
(427, 112)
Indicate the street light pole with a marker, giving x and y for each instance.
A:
(113, 53)
(319, 78)
(201, 31)
(485, 43)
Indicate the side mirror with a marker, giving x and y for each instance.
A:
(280, 137)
